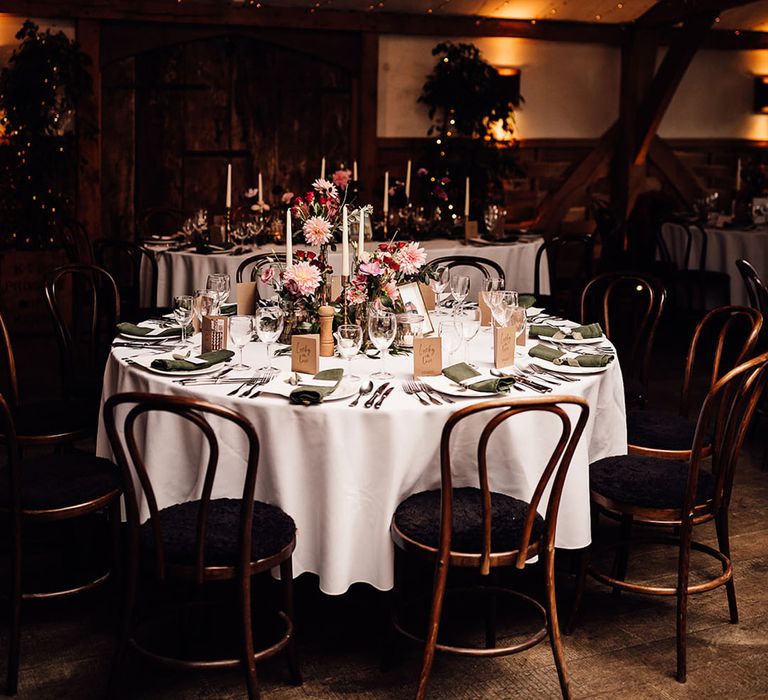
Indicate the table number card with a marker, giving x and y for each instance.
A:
(470, 231)
(215, 333)
(246, 298)
(485, 310)
(305, 353)
(427, 357)
(503, 347)
(428, 295)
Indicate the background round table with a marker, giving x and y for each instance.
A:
(340, 471)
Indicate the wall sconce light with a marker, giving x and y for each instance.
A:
(510, 80)
(761, 94)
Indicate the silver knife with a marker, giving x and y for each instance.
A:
(375, 394)
(382, 397)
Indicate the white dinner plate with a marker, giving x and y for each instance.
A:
(346, 388)
(573, 341)
(146, 363)
(567, 369)
(446, 386)
(151, 338)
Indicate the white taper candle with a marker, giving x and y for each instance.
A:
(466, 199)
(261, 191)
(408, 181)
(322, 169)
(344, 243)
(361, 234)
(288, 238)
(386, 192)
(228, 202)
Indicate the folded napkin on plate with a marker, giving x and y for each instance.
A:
(541, 330)
(555, 356)
(211, 358)
(526, 300)
(307, 395)
(131, 329)
(462, 372)
(229, 309)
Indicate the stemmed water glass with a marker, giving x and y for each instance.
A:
(269, 326)
(470, 325)
(451, 335)
(219, 283)
(182, 311)
(204, 304)
(517, 321)
(240, 331)
(382, 328)
(349, 340)
(502, 305)
(440, 284)
(491, 288)
(459, 289)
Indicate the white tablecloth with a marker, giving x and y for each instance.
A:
(724, 248)
(341, 471)
(181, 272)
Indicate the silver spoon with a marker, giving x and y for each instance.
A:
(365, 389)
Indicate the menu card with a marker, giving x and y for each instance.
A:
(427, 356)
(215, 333)
(246, 298)
(305, 353)
(503, 347)
(428, 294)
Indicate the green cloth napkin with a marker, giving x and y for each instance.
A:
(228, 309)
(526, 300)
(554, 355)
(541, 330)
(462, 371)
(131, 329)
(211, 358)
(308, 395)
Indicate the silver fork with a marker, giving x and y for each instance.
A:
(542, 372)
(532, 373)
(410, 389)
(433, 394)
(257, 382)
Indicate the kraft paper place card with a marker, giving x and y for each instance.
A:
(246, 298)
(523, 337)
(503, 347)
(335, 287)
(485, 310)
(305, 353)
(428, 295)
(215, 333)
(427, 356)
(470, 231)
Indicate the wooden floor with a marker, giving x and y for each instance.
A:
(624, 647)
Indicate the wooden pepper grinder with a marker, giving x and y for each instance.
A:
(326, 331)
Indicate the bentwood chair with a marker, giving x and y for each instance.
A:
(124, 261)
(77, 244)
(47, 491)
(476, 528)
(202, 541)
(250, 269)
(160, 221)
(570, 262)
(488, 268)
(757, 291)
(681, 495)
(45, 422)
(732, 333)
(628, 306)
(85, 304)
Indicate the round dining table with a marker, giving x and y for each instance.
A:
(184, 271)
(724, 247)
(341, 470)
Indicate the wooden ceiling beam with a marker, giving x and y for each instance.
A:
(667, 12)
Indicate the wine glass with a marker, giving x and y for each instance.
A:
(490, 292)
(204, 304)
(218, 282)
(269, 326)
(349, 340)
(491, 216)
(503, 305)
(451, 335)
(517, 321)
(240, 331)
(382, 327)
(459, 289)
(440, 284)
(470, 325)
(182, 311)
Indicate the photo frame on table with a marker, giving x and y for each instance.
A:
(410, 295)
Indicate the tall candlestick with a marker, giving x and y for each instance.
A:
(361, 234)
(386, 193)
(322, 169)
(466, 200)
(354, 171)
(344, 243)
(408, 181)
(288, 238)
(228, 203)
(738, 174)
(261, 191)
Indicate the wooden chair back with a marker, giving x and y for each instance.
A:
(629, 306)
(553, 475)
(736, 330)
(85, 304)
(123, 260)
(125, 442)
(756, 288)
(570, 260)
(694, 233)
(9, 383)
(249, 270)
(160, 221)
(13, 466)
(488, 268)
(77, 244)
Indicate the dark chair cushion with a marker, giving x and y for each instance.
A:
(661, 430)
(648, 482)
(55, 417)
(272, 531)
(418, 517)
(634, 391)
(61, 481)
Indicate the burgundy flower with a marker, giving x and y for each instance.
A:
(310, 197)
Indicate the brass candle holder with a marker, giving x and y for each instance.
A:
(344, 302)
(227, 225)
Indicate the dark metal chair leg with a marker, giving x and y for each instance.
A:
(578, 594)
(130, 584)
(723, 540)
(441, 580)
(249, 662)
(553, 624)
(286, 578)
(14, 642)
(622, 554)
(490, 613)
(682, 600)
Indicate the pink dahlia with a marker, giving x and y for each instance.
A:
(317, 230)
(267, 275)
(341, 178)
(304, 276)
(390, 289)
(410, 258)
(356, 295)
(372, 268)
(325, 187)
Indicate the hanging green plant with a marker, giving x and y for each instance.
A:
(40, 88)
(466, 95)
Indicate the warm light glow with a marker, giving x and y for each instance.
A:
(506, 71)
(499, 132)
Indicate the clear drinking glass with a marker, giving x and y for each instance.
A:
(459, 289)
(349, 340)
(491, 288)
(240, 331)
(440, 285)
(451, 335)
(517, 321)
(182, 311)
(503, 305)
(204, 304)
(470, 325)
(269, 325)
(219, 283)
(382, 328)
